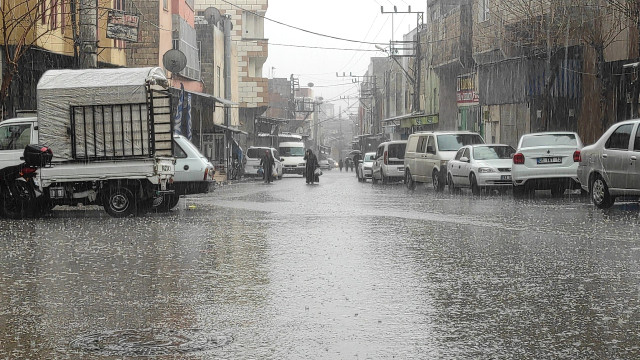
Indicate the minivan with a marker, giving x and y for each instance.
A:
(429, 152)
(388, 164)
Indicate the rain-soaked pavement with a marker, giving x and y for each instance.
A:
(339, 270)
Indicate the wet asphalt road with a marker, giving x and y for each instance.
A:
(339, 270)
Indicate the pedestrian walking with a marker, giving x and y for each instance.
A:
(340, 164)
(267, 166)
(311, 166)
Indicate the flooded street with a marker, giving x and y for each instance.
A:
(339, 270)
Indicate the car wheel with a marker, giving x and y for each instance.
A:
(438, 184)
(475, 189)
(374, 180)
(385, 179)
(600, 193)
(452, 186)
(408, 180)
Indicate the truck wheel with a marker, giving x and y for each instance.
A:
(438, 183)
(120, 201)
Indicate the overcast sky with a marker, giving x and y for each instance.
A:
(359, 20)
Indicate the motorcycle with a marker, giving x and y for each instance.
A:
(17, 183)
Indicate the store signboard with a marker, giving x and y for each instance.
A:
(122, 26)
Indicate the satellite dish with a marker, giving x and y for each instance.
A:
(174, 60)
(310, 84)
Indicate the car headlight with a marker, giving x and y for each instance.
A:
(484, 170)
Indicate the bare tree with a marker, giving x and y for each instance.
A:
(23, 24)
(599, 26)
(539, 30)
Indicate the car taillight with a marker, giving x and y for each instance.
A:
(386, 158)
(206, 174)
(576, 156)
(518, 158)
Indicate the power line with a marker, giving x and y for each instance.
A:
(321, 47)
(303, 30)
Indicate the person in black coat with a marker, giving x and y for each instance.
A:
(267, 166)
(311, 166)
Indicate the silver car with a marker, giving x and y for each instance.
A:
(609, 168)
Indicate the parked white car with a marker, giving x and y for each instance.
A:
(546, 161)
(364, 170)
(388, 165)
(609, 168)
(481, 166)
(194, 174)
(255, 154)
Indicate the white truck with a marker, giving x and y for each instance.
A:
(292, 157)
(111, 133)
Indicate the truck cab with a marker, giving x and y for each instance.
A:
(15, 135)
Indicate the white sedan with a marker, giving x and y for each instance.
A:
(546, 161)
(481, 166)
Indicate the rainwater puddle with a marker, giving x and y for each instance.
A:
(149, 342)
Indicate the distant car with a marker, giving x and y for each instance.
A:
(365, 167)
(255, 154)
(481, 166)
(546, 161)
(332, 163)
(388, 165)
(324, 164)
(609, 168)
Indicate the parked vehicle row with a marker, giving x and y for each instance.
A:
(555, 161)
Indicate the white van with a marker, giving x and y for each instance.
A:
(292, 154)
(428, 153)
(254, 156)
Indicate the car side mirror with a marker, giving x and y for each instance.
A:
(464, 159)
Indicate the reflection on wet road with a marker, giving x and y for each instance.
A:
(336, 270)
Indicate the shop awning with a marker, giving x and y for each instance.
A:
(222, 101)
(231, 128)
(409, 120)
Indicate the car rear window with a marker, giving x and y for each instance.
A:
(255, 153)
(453, 142)
(369, 157)
(396, 150)
(549, 140)
(493, 152)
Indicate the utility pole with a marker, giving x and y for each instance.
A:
(88, 34)
(415, 80)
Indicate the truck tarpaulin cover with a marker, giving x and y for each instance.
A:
(60, 90)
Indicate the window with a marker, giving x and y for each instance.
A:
(459, 154)
(178, 152)
(455, 142)
(119, 5)
(63, 13)
(493, 152)
(467, 153)
(15, 137)
(219, 81)
(165, 5)
(636, 144)
(422, 144)
(483, 10)
(53, 15)
(619, 140)
(549, 139)
(396, 151)
(431, 145)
